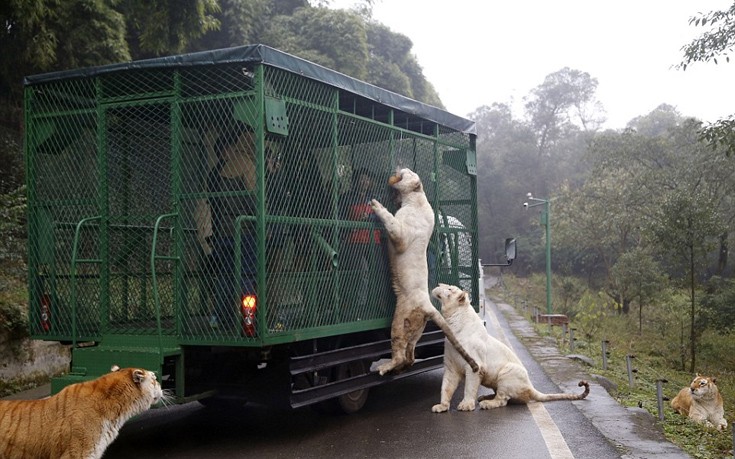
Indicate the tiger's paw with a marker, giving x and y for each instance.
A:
(440, 408)
(466, 405)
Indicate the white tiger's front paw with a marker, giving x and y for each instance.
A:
(466, 405)
(385, 368)
(440, 408)
(489, 404)
(376, 205)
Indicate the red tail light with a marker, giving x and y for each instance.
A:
(248, 306)
(45, 315)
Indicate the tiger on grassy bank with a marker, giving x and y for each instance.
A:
(701, 402)
(79, 422)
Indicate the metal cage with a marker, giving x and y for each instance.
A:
(120, 162)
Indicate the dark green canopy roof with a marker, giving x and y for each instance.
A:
(275, 58)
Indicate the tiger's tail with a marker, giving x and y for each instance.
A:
(449, 334)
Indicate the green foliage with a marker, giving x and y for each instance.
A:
(241, 22)
(569, 291)
(11, 157)
(13, 309)
(592, 309)
(168, 27)
(716, 42)
(565, 95)
(12, 227)
(656, 202)
(29, 33)
(718, 304)
(636, 275)
(89, 32)
(336, 39)
(720, 135)
(13, 294)
(45, 35)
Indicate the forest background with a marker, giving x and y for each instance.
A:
(641, 218)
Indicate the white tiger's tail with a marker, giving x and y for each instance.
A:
(537, 396)
(541, 397)
(449, 334)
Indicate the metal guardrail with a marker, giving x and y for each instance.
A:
(154, 280)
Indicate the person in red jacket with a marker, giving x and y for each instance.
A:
(359, 244)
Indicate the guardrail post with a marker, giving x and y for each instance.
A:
(660, 398)
(631, 370)
(605, 353)
(571, 338)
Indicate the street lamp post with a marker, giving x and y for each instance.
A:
(545, 220)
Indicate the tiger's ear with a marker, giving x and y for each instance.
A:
(464, 298)
(115, 368)
(138, 376)
(714, 380)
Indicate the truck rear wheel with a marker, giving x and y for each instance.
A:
(353, 401)
(346, 403)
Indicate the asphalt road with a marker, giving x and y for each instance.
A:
(396, 422)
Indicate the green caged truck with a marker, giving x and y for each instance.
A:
(191, 215)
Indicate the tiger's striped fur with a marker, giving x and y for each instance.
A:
(79, 422)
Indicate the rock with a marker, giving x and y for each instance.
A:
(609, 386)
(582, 358)
(30, 359)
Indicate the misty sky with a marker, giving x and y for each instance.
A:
(479, 52)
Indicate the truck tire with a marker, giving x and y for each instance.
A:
(347, 403)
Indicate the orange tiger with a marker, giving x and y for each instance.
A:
(701, 402)
(79, 422)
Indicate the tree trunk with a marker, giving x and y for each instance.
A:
(626, 305)
(724, 252)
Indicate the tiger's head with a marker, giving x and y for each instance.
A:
(703, 387)
(452, 298)
(406, 181)
(142, 382)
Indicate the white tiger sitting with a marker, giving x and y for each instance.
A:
(500, 368)
(701, 402)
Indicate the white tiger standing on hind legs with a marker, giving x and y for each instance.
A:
(409, 232)
(501, 370)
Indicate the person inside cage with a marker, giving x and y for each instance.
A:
(359, 243)
(231, 184)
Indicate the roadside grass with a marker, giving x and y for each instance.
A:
(656, 348)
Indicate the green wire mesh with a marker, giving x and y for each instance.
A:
(134, 230)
